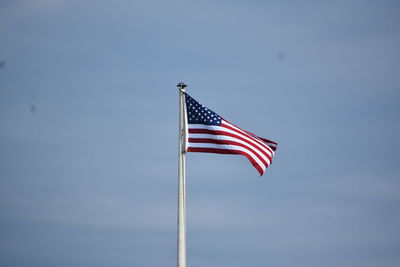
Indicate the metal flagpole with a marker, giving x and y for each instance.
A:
(181, 179)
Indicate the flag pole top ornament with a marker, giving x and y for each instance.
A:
(182, 86)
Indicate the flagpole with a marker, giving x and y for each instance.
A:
(181, 179)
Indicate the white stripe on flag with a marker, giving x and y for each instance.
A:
(228, 138)
(230, 147)
(263, 147)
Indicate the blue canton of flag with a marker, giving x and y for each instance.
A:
(199, 114)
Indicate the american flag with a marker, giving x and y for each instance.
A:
(210, 133)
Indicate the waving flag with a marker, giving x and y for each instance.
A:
(210, 133)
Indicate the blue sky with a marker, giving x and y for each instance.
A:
(89, 118)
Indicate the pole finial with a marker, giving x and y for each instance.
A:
(182, 85)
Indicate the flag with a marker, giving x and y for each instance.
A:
(210, 133)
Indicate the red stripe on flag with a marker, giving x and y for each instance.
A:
(228, 142)
(231, 151)
(254, 138)
(223, 133)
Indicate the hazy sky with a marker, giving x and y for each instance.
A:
(89, 142)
